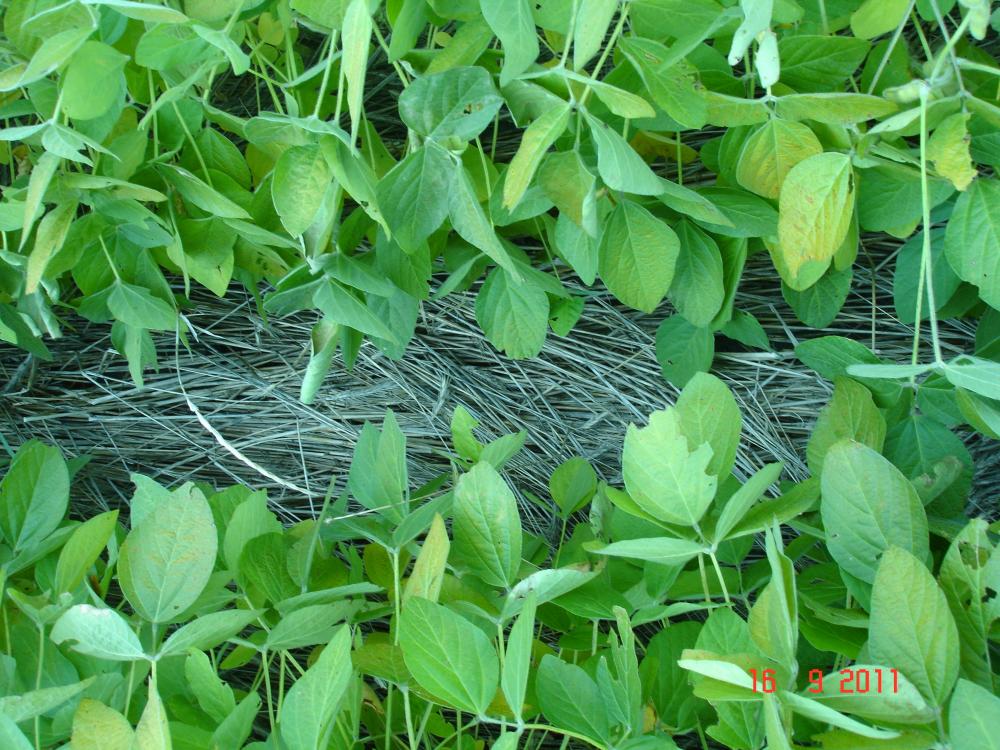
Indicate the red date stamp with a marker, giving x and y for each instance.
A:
(851, 681)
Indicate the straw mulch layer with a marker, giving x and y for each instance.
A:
(227, 410)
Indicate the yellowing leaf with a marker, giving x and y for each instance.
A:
(814, 215)
(771, 152)
(428, 570)
(97, 727)
(948, 148)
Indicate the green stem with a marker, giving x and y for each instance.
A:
(704, 577)
(408, 712)
(396, 603)
(566, 733)
(38, 682)
(722, 580)
(326, 75)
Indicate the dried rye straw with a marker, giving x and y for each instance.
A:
(227, 410)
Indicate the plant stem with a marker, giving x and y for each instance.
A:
(704, 577)
(722, 580)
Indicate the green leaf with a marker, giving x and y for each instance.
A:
(819, 63)
(708, 414)
(339, 304)
(741, 501)
(746, 329)
(487, 527)
(535, 142)
(911, 628)
(448, 656)
(166, 561)
(814, 215)
(312, 703)
(907, 278)
(571, 699)
(619, 165)
(868, 506)
(137, 306)
(824, 713)
(141, 11)
(850, 415)
(93, 81)
(102, 633)
(770, 153)
(972, 240)
(83, 548)
(34, 495)
(513, 316)
(306, 626)
(567, 182)
(662, 550)
(471, 223)
(413, 196)
(637, 256)
(153, 730)
(877, 17)
(683, 350)
(669, 79)
(889, 196)
(517, 656)
(250, 519)
(664, 477)
(458, 103)
(514, 26)
(301, 176)
(972, 717)
(98, 727)
(199, 194)
(208, 631)
(948, 148)
(53, 52)
(213, 694)
(697, 289)
(819, 305)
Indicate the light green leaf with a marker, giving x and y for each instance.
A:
(449, 656)
(911, 628)
(458, 103)
(517, 656)
(341, 305)
(153, 730)
(428, 571)
(662, 550)
(664, 477)
(975, 374)
(814, 215)
(898, 702)
(637, 256)
(973, 717)
(868, 506)
(589, 29)
(514, 26)
(413, 196)
(98, 727)
(165, 563)
(102, 633)
(356, 33)
(34, 703)
(823, 713)
(565, 179)
(82, 550)
(137, 306)
(877, 17)
(487, 527)
(513, 316)
(142, 11)
(312, 703)
(619, 165)
(34, 495)
(53, 52)
(208, 631)
(301, 177)
(697, 289)
(93, 80)
(972, 240)
(833, 108)
(852, 415)
(770, 153)
(11, 737)
(378, 477)
(306, 626)
(535, 142)
(48, 241)
(708, 414)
